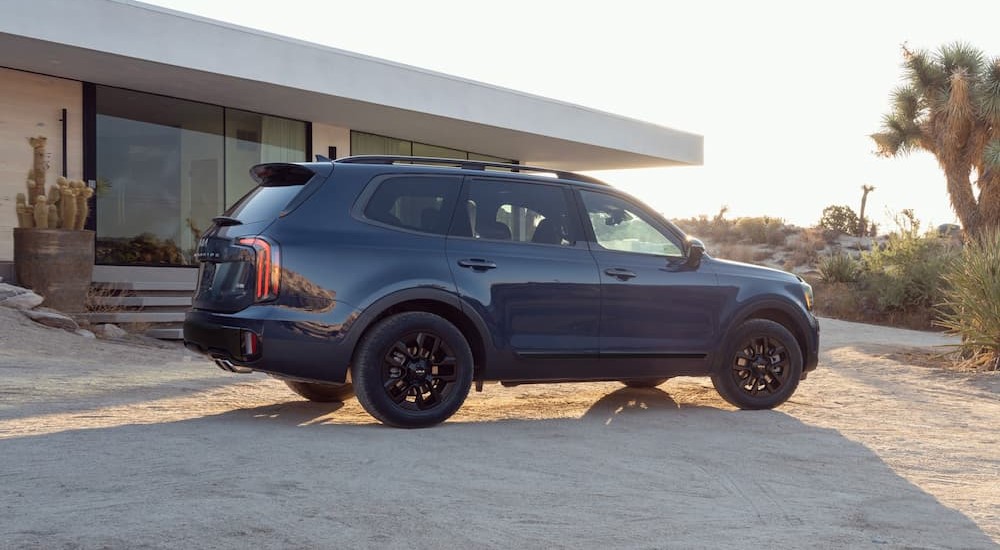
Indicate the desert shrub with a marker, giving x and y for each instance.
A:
(716, 229)
(761, 255)
(805, 250)
(838, 268)
(971, 303)
(908, 271)
(736, 252)
(839, 218)
(761, 230)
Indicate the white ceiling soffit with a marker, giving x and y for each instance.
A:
(148, 48)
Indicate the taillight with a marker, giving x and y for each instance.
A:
(267, 266)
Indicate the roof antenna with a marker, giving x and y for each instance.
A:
(321, 158)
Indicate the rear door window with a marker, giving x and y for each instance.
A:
(504, 210)
(421, 203)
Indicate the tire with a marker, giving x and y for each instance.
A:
(321, 393)
(412, 370)
(643, 382)
(761, 366)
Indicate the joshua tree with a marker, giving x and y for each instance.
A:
(949, 105)
(862, 224)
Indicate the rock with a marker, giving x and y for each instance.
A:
(85, 333)
(18, 298)
(25, 300)
(110, 331)
(52, 318)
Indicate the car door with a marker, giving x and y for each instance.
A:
(520, 262)
(659, 315)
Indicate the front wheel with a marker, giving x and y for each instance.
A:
(412, 370)
(761, 366)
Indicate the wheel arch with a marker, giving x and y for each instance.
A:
(437, 302)
(780, 312)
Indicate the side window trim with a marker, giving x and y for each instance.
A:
(672, 234)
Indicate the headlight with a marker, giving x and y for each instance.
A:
(807, 290)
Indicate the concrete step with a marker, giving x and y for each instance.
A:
(140, 301)
(135, 317)
(146, 286)
(166, 333)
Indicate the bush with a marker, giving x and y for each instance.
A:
(716, 229)
(839, 218)
(761, 230)
(736, 252)
(838, 268)
(971, 303)
(908, 272)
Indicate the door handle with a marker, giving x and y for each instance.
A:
(619, 273)
(477, 264)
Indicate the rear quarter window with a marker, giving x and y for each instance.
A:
(421, 203)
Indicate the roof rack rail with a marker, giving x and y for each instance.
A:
(465, 164)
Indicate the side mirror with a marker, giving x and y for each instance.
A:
(696, 249)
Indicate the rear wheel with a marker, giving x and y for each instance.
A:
(761, 367)
(321, 393)
(412, 370)
(644, 382)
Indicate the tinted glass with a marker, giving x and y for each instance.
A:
(417, 203)
(620, 225)
(263, 203)
(522, 212)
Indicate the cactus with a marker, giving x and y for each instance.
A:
(25, 216)
(41, 212)
(68, 204)
(82, 206)
(65, 207)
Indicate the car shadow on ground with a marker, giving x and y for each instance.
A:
(635, 470)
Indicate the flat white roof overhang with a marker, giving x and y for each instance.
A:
(148, 48)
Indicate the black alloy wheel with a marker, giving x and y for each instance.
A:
(761, 368)
(412, 370)
(419, 371)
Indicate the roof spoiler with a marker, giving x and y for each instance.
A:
(279, 174)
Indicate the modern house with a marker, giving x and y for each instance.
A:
(163, 112)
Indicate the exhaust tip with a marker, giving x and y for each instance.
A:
(227, 365)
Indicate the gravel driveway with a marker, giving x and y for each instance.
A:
(127, 446)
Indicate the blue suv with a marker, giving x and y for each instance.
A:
(406, 280)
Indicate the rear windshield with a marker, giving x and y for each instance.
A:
(263, 203)
(278, 185)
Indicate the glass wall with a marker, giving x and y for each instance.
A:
(166, 167)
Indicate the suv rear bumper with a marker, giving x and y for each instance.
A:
(295, 348)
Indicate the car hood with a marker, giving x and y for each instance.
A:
(728, 267)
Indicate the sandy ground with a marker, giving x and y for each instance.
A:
(105, 445)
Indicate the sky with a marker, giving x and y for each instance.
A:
(785, 93)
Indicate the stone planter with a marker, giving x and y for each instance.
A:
(56, 263)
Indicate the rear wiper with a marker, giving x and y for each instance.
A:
(224, 221)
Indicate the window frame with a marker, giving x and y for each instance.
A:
(669, 230)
